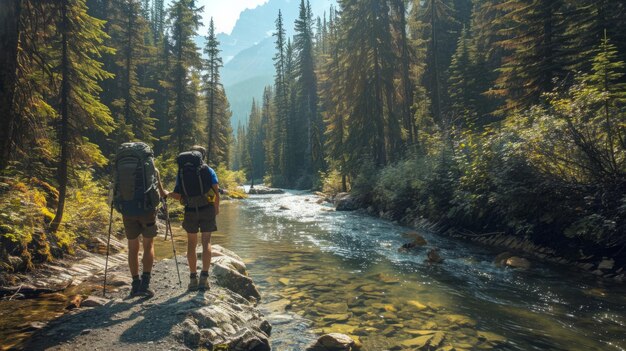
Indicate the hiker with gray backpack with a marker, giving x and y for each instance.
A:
(197, 188)
(137, 191)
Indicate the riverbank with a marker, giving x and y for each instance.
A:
(175, 318)
(565, 253)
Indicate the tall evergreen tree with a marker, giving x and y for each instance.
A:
(369, 58)
(308, 127)
(9, 31)
(462, 82)
(80, 38)
(184, 20)
(533, 32)
(436, 27)
(281, 103)
(213, 87)
(132, 106)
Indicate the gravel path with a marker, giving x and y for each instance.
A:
(124, 323)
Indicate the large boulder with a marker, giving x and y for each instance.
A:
(346, 202)
(238, 283)
(233, 324)
(263, 190)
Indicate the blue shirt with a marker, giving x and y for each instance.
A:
(209, 178)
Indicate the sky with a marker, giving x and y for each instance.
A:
(225, 12)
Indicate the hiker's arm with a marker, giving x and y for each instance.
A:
(175, 196)
(216, 189)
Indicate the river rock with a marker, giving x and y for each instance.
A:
(219, 250)
(74, 302)
(231, 263)
(232, 323)
(606, 264)
(94, 301)
(263, 190)
(517, 262)
(333, 342)
(434, 257)
(346, 202)
(500, 259)
(416, 238)
(235, 281)
(491, 338)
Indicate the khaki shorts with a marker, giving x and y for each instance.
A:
(203, 220)
(140, 225)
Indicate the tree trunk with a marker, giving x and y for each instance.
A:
(9, 32)
(64, 128)
(435, 74)
(409, 122)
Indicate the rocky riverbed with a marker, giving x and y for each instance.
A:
(174, 319)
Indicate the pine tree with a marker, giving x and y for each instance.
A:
(184, 20)
(462, 82)
(586, 22)
(281, 103)
(9, 32)
(158, 20)
(80, 39)
(212, 86)
(368, 60)
(308, 127)
(533, 31)
(405, 55)
(132, 107)
(607, 76)
(332, 107)
(435, 24)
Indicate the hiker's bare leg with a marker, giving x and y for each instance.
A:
(192, 242)
(133, 256)
(148, 254)
(206, 250)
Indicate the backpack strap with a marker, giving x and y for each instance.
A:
(143, 173)
(182, 181)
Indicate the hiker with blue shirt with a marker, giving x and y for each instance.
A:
(197, 188)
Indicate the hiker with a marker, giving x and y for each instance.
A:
(137, 188)
(197, 188)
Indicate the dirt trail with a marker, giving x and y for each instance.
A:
(158, 323)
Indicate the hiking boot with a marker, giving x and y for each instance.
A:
(193, 283)
(144, 287)
(204, 283)
(134, 287)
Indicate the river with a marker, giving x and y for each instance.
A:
(341, 271)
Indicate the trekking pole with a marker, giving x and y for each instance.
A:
(168, 226)
(106, 264)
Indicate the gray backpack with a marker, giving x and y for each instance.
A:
(135, 188)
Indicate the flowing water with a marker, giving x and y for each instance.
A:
(322, 271)
(339, 271)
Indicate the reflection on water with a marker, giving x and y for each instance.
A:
(342, 272)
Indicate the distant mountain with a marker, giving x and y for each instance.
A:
(248, 51)
(251, 62)
(258, 23)
(240, 97)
